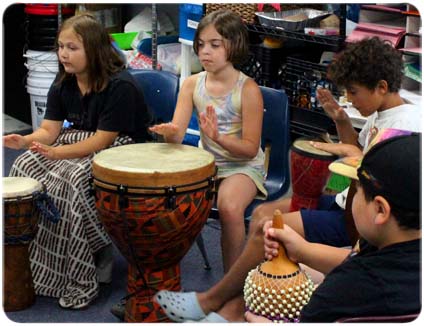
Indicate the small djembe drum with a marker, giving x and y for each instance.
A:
(309, 174)
(20, 221)
(153, 199)
(277, 289)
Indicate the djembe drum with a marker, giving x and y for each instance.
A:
(309, 174)
(277, 289)
(20, 221)
(153, 199)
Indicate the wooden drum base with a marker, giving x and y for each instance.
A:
(18, 287)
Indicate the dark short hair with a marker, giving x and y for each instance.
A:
(103, 60)
(366, 62)
(230, 25)
(392, 169)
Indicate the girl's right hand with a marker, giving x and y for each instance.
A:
(330, 106)
(14, 141)
(165, 129)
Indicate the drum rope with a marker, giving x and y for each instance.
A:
(46, 206)
(21, 239)
(123, 203)
(163, 188)
(21, 233)
(303, 173)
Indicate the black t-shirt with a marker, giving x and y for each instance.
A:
(119, 107)
(384, 282)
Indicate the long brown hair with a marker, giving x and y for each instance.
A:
(103, 60)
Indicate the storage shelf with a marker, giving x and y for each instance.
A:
(413, 34)
(390, 10)
(334, 41)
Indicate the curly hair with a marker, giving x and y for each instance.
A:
(366, 62)
(230, 26)
(103, 60)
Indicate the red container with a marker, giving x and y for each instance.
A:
(47, 9)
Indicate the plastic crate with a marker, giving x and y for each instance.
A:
(190, 16)
(301, 78)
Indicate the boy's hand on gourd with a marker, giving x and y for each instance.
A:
(292, 241)
(330, 106)
(270, 244)
(252, 318)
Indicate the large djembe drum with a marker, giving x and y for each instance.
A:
(153, 199)
(20, 221)
(277, 289)
(309, 174)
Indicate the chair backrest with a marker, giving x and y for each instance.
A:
(160, 90)
(275, 143)
(380, 319)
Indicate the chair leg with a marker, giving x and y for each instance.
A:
(201, 245)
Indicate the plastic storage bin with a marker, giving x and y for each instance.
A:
(190, 16)
(124, 40)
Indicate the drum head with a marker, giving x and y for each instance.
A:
(302, 146)
(19, 186)
(153, 165)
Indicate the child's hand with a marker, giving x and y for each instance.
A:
(270, 244)
(209, 123)
(14, 141)
(48, 152)
(252, 318)
(331, 107)
(339, 149)
(291, 240)
(165, 129)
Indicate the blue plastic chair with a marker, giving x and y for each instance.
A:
(160, 90)
(276, 144)
(275, 141)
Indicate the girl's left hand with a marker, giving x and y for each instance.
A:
(209, 123)
(48, 152)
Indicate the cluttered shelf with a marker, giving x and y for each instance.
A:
(333, 40)
(297, 64)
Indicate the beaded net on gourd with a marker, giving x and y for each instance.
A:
(277, 289)
(277, 297)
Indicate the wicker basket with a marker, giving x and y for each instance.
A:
(246, 11)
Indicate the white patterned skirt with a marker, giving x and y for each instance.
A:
(62, 254)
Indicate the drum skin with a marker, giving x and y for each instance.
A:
(20, 221)
(309, 174)
(153, 202)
